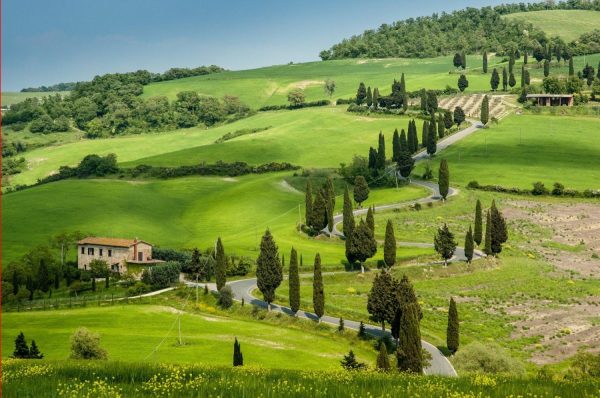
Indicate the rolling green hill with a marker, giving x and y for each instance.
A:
(12, 97)
(566, 24)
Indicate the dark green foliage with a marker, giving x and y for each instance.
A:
(383, 360)
(350, 363)
(319, 211)
(362, 244)
(43, 277)
(21, 348)
(389, 245)
(423, 95)
(294, 281)
(369, 97)
(382, 301)
(499, 230)
(411, 139)
(381, 152)
(330, 198)
(432, 102)
(308, 202)
(448, 119)
(238, 357)
(361, 190)
(571, 67)
(444, 243)
(225, 299)
(372, 158)
(504, 79)
(495, 80)
(361, 94)
(485, 62)
(478, 232)
(341, 325)
(469, 245)
(94, 284)
(34, 351)
(432, 138)
(396, 147)
(348, 223)
(220, 266)
(206, 290)
(376, 97)
(410, 352)
(371, 219)
(459, 115)
(403, 142)
(441, 127)
(444, 179)
(463, 59)
(511, 80)
(318, 292)
(269, 272)
(484, 115)
(487, 249)
(362, 332)
(452, 332)
(463, 83)
(425, 134)
(405, 164)
(457, 60)
(546, 68)
(161, 276)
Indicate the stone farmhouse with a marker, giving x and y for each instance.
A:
(117, 253)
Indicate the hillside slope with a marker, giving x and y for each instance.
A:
(566, 24)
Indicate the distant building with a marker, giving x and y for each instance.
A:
(117, 253)
(552, 99)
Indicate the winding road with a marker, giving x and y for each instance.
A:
(439, 365)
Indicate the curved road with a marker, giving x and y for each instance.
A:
(440, 365)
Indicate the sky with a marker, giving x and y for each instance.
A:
(47, 42)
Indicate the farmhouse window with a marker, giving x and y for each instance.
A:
(109, 253)
(140, 256)
(100, 252)
(90, 251)
(82, 250)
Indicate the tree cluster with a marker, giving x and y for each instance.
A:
(320, 206)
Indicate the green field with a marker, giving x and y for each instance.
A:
(13, 97)
(528, 148)
(567, 24)
(185, 213)
(208, 337)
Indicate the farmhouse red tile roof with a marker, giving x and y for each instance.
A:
(116, 242)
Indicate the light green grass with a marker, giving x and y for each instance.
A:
(13, 97)
(131, 333)
(567, 24)
(528, 148)
(185, 213)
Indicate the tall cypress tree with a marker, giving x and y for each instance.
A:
(432, 139)
(361, 190)
(495, 80)
(371, 219)
(389, 245)
(499, 230)
(376, 97)
(43, 276)
(546, 68)
(511, 80)
(308, 202)
(348, 220)
(511, 63)
(452, 332)
(382, 300)
(410, 352)
(441, 127)
(238, 358)
(444, 179)
(504, 79)
(363, 244)
(294, 282)
(383, 360)
(381, 152)
(269, 272)
(402, 84)
(571, 67)
(403, 142)
(469, 245)
(220, 266)
(444, 243)
(487, 249)
(485, 62)
(318, 292)
(319, 211)
(330, 203)
(361, 94)
(478, 233)
(527, 79)
(423, 95)
(484, 114)
(425, 134)
(369, 97)
(463, 59)
(411, 139)
(396, 148)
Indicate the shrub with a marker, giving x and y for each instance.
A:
(585, 364)
(225, 299)
(559, 189)
(86, 345)
(473, 185)
(161, 276)
(488, 358)
(539, 189)
(138, 288)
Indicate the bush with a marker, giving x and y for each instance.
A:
(86, 345)
(539, 189)
(585, 364)
(225, 299)
(488, 358)
(345, 101)
(559, 189)
(162, 276)
(294, 106)
(138, 288)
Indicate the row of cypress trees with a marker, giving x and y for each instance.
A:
(319, 208)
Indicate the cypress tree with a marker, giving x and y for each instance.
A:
(405, 102)
(495, 80)
(410, 352)
(294, 282)
(269, 272)
(308, 201)
(444, 243)
(43, 277)
(348, 220)
(371, 220)
(319, 210)
(571, 67)
(511, 80)
(34, 351)
(362, 332)
(383, 360)
(382, 301)
(361, 190)
(372, 158)
(330, 203)
(425, 134)
(21, 348)
(238, 358)
(448, 121)
(504, 79)
(527, 79)
(441, 127)
(463, 83)
(485, 62)
(499, 230)
(362, 244)
(318, 293)
(469, 245)
(432, 140)
(405, 164)
(396, 148)
(376, 98)
(403, 142)
(484, 114)
(444, 179)
(452, 333)
(381, 152)
(459, 115)
(389, 245)
(405, 294)
(487, 249)
(369, 97)
(402, 84)
(411, 139)
(478, 233)
(423, 95)
(457, 60)
(546, 68)
(220, 266)
(361, 93)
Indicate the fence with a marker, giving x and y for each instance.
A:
(72, 302)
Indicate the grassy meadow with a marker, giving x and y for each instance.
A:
(13, 97)
(554, 22)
